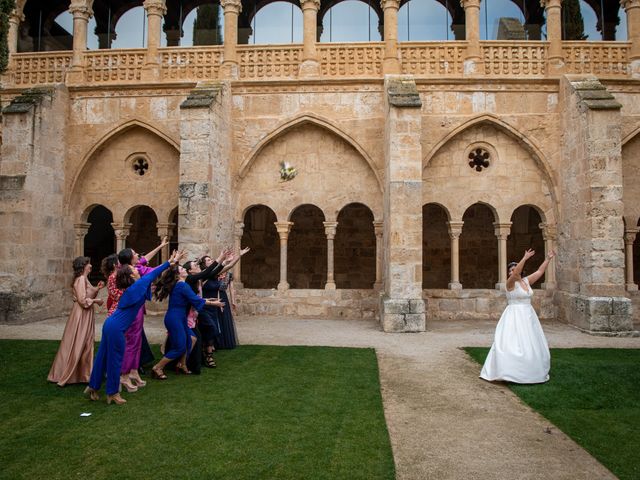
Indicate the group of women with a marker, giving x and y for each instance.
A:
(198, 319)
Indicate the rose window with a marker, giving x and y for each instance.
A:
(140, 166)
(479, 159)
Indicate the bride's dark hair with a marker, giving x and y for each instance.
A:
(165, 284)
(514, 264)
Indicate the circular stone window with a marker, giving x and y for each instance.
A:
(140, 166)
(479, 158)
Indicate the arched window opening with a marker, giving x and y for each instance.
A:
(593, 20)
(307, 249)
(131, 29)
(351, 21)
(276, 23)
(46, 27)
(355, 248)
(478, 248)
(261, 266)
(636, 257)
(204, 25)
(426, 20)
(436, 247)
(502, 20)
(100, 240)
(526, 233)
(143, 234)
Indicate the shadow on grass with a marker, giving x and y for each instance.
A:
(594, 397)
(265, 412)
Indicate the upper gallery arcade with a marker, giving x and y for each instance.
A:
(434, 141)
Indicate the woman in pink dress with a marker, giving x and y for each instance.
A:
(74, 359)
(129, 375)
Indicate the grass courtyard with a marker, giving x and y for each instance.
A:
(265, 412)
(594, 397)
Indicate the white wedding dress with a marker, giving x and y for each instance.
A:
(520, 352)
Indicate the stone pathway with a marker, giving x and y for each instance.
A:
(444, 422)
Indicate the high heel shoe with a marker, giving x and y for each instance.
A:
(93, 394)
(117, 399)
(138, 382)
(126, 383)
(182, 369)
(158, 374)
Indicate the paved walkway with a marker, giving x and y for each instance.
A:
(444, 422)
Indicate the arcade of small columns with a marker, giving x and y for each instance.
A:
(502, 230)
(156, 9)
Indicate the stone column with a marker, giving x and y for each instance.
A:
(80, 230)
(473, 58)
(155, 9)
(283, 229)
(402, 308)
(549, 235)
(555, 60)
(629, 238)
(15, 19)
(455, 230)
(310, 67)
(237, 245)
(378, 228)
(121, 231)
(591, 261)
(330, 231)
(502, 231)
(232, 9)
(632, 8)
(81, 14)
(391, 62)
(165, 230)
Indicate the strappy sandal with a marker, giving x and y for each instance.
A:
(209, 361)
(158, 374)
(182, 369)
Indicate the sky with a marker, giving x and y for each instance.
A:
(348, 21)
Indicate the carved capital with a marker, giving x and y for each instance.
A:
(378, 227)
(630, 235)
(310, 4)
(455, 229)
(164, 229)
(283, 229)
(547, 4)
(502, 230)
(121, 230)
(470, 4)
(81, 229)
(155, 7)
(395, 4)
(80, 9)
(330, 229)
(16, 18)
(549, 231)
(627, 4)
(233, 6)
(238, 229)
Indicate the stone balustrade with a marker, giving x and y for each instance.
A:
(500, 59)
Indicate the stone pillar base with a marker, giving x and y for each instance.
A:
(596, 314)
(75, 76)
(555, 66)
(548, 285)
(631, 287)
(391, 66)
(330, 286)
(309, 69)
(402, 315)
(634, 68)
(230, 70)
(150, 73)
(501, 286)
(472, 66)
(455, 286)
(282, 286)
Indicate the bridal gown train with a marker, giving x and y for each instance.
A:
(520, 352)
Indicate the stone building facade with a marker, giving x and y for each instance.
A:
(422, 168)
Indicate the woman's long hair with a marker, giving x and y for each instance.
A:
(123, 277)
(78, 267)
(125, 256)
(109, 264)
(166, 282)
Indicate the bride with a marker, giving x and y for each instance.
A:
(519, 353)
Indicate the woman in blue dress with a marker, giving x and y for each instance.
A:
(172, 284)
(110, 353)
(217, 289)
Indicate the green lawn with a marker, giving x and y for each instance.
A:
(265, 412)
(594, 397)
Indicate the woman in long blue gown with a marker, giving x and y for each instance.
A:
(110, 353)
(181, 299)
(217, 288)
